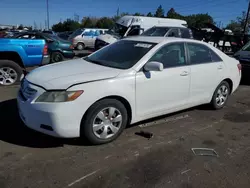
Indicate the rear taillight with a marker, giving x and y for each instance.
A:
(239, 67)
(45, 49)
(71, 46)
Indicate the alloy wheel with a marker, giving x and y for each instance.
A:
(107, 123)
(221, 95)
(8, 76)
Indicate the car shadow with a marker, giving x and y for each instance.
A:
(12, 130)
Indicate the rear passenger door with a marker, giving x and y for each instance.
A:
(206, 72)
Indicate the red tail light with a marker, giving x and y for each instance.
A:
(239, 67)
(71, 46)
(45, 49)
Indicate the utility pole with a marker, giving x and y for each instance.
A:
(246, 21)
(47, 13)
(45, 25)
(118, 12)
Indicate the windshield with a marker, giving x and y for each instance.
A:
(76, 33)
(246, 47)
(118, 30)
(122, 55)
(156, 31)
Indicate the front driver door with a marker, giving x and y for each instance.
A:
(167, 90)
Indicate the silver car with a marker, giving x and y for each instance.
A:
(85, 38)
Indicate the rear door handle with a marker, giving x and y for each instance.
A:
(184, 73)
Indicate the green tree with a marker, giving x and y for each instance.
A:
(237, 25)
(172, 14)
(87, 22)
(159, 12)
(150, 14)
(138, 14)
(198, 20)
(67, 25)
(104, 22)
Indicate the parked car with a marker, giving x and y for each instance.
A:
(17, 54)
(128, 26)
(160, 31)
(58, 48)
(243, 55)
(85, 38)
(98, 96)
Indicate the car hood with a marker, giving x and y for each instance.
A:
(65, 74)
(107, 38)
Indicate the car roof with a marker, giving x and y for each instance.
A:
(161, 39)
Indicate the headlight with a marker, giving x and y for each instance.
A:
(59, 96)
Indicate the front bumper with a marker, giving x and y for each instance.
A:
(46, 60)
(54, 119)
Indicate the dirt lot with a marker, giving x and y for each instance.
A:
(29, 159)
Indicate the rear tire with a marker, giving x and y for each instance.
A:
(10, 73)
(56, 57)
(220, 95)
(80, 46)
(104, 121)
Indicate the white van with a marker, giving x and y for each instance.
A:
(85, 38)
(134, 25)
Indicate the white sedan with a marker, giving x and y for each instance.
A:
(126, 82)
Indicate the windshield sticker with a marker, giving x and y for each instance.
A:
(143, 45)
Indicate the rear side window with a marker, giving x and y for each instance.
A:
(199, 53)
(186, 33)
(156, 31)
(215, 57)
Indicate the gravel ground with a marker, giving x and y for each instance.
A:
(31, 160)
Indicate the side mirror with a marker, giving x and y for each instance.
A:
(153, 66)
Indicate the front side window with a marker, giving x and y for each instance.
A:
(199, 53)
(122, 55)
(87, 33)
(134, 31)
(156, 31)
(170, 55)
(117, 30)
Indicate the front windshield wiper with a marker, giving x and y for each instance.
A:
(92, 61)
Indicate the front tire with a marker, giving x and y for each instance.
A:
(220, 95)
(10, 73)
(104, 121)
(80, 46)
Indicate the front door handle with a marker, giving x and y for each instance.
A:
(184, 73)
(220, 67)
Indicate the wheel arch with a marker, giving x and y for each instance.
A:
(12, 56)
(230, 82)
(121, 99)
